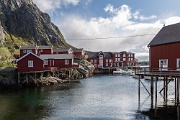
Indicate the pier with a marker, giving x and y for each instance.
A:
(167, 77)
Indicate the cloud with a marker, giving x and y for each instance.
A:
(118, 32)
(50, 5)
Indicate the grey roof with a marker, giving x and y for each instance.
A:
(61, 50)
(92, 54)
(44, 47)
(27, 47)
(168, 34)
(95, 54)
(56, 56)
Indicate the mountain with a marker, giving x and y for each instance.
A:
(23, 23)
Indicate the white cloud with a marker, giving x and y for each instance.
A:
(137, 16)
(118, 32)
(50, 5)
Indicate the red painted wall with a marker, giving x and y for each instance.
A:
(22, 53)
(59, 63)
(22, 65)
(168, 51)
(45, 51)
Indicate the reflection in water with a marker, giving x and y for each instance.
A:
(96, 98)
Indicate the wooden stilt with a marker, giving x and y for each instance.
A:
(152, 92)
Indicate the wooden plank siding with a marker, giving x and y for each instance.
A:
(22, 64)
(165, 51)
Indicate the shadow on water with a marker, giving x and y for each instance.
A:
(30, 103)
(163, 113)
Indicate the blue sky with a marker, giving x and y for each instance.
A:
(111, 25)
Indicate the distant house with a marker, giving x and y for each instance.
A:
(78, 53)
(45, 49)
(30, 62)
(111, 59)
(164, 49)
(36, 50)
(27, 49)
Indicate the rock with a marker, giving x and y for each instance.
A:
(22, 18)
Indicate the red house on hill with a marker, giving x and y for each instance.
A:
(36, 50)
(164, 49)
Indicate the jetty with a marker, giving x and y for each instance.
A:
(167, 77)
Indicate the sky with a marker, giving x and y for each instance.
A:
(111, 25)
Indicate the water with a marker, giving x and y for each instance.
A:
(98, 98)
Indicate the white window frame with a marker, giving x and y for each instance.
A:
(28, 51)
(24, 51)
(107, 60)
(66, 62)
(178, 63)
(91, 61)
(45, 62)
(163, 64)
(124, 59)
(95, 61)
(30, 63)
(106, 64)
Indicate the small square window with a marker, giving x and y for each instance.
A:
(30, 63)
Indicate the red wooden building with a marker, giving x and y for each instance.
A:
(30, 62)
(164, 49)
(111, 59)
(36, 50)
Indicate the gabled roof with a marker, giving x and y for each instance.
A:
(78, 50)
(62, 50)
(92, 54)
(44, 47)
(96, 54)
(27, 55)
(27, 47)
(56, 56)
(168, 34)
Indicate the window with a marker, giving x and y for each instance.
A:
(91, 61)
(119, 59)
(178, 64)
(106, 60)
(106, 64)
(124, 59)
(116, 59)
(66, 62)
(29, 51)
(95, 61)
(124, 55)
(100, 57)
(115, 55)
(163, 64)
(30, 63)
(110, 60)
(118, 55)
(24, 51)
(45, 62)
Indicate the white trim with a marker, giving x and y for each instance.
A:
(30, 63)
(163, 64)
(27, 55)
(178, 64)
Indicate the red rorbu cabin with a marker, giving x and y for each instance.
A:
(30, 62)
(164, 49)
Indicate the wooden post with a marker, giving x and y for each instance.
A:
(152, 91)
(166, 90)
(18, 77)
(156, 96)
(178, 82)
(139, 90)
(175, 90)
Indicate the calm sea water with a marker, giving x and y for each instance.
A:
(98, 98)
